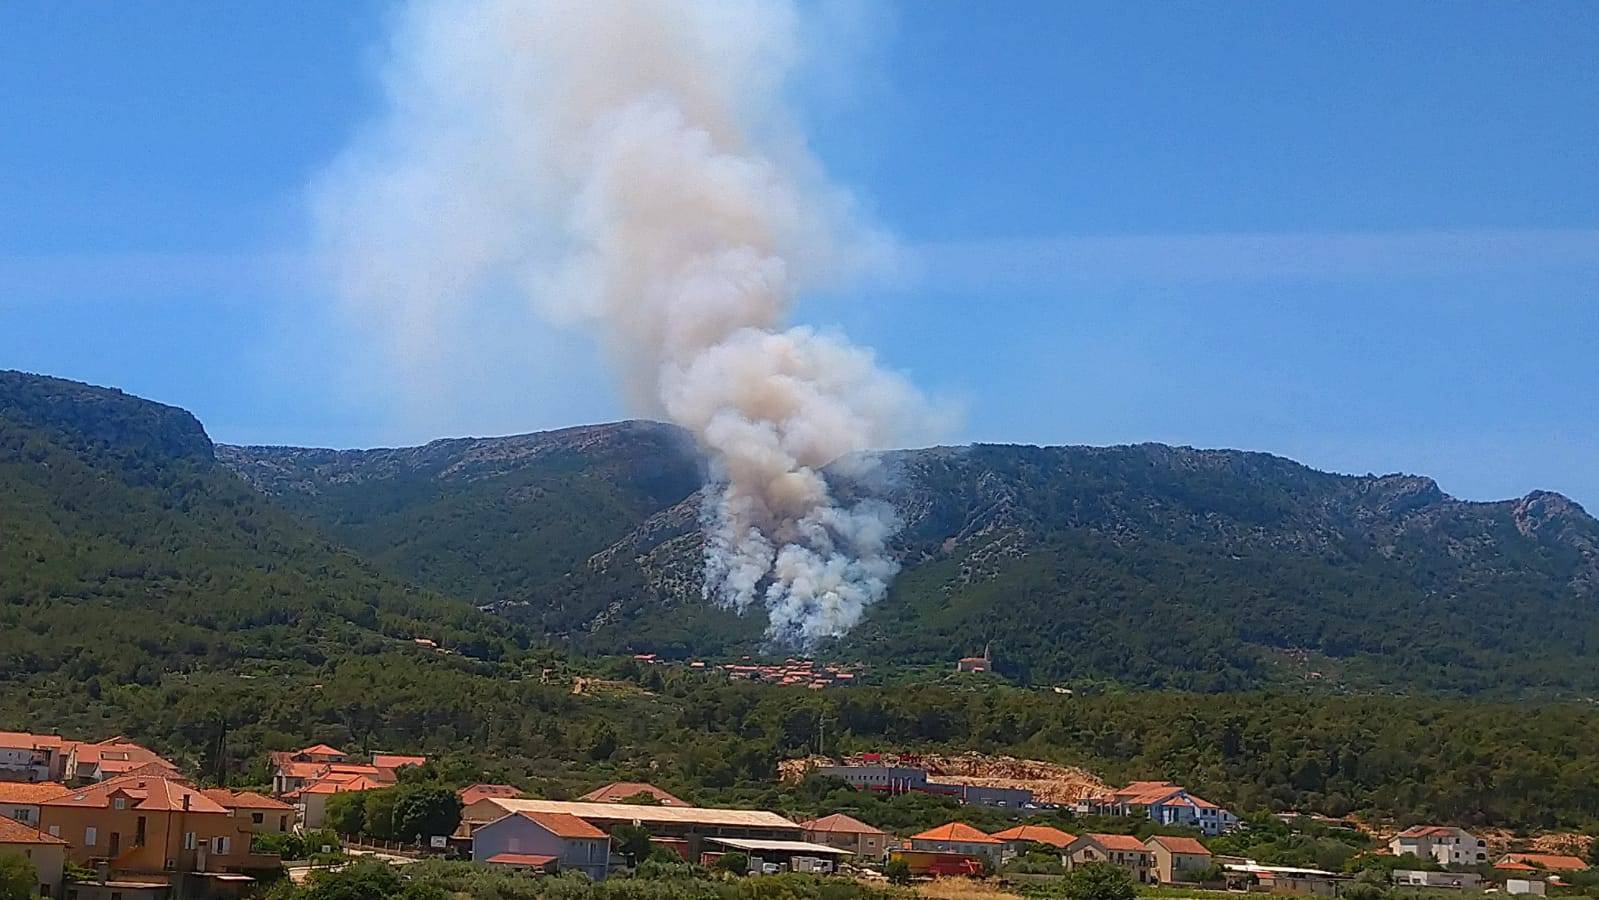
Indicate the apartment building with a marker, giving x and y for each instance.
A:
(1447, 845)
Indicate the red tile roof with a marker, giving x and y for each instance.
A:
(562, 824)
(838, 823)
(476, 792)
(1144, 793)
(301, 769)
(320, 750)
(353, 769)
(520, 859)
(14, 832)
(956, 832)
(1038, 834)
(21, 792)
(119, 756)
(396, 760)
(1427, 831)
(339, 783)
(1175, 844)
(1547, 861)
(1121, 842)
(245, 800)
(30, 741)
(618, 791)
(145, 792)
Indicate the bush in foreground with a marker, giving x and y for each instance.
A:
(437, 880)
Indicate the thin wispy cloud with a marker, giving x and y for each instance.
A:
(998, 262)
(149, 276)
(1201, 258)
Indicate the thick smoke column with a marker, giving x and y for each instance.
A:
(630, 166)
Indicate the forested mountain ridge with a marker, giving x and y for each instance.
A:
(126, 551)
(1147, 564)
(495, 520)
(1142, 565)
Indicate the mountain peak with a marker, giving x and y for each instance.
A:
(99, 419)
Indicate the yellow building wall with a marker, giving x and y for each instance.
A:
(163, 838)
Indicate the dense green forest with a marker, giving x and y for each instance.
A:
(1409, 759)
(127, 552)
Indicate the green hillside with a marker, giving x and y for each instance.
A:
(145, 589)
(126, 551)
(128, 545)
(500, 521)
(1144, 565)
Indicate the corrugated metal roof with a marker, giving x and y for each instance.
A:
(779, 846)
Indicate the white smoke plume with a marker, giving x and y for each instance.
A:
(632, 166)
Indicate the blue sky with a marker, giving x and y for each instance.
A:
(1362, 235)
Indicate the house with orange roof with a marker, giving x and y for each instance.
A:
(1165, 803)
(558, 841)
(958, 837)
(473, 793)
(1177, 859)
(322, 753)
(291, 769)
(1118, 849)
(1019, 837)
(1551, 862)
(847, 833)
(150, 826)
(1513, 867)
(33, 757)
(254, 814)
(113, 757)
(394, 762)
(311, 801)
(19, 800)
(1445, 844)
(47, 854)
(627, 791)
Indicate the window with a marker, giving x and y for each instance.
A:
(119, 803)
(283, 823)
(258, 818)
(221, 845)
(188, 840)
(55, 830)
(90, 836)
(23, 814)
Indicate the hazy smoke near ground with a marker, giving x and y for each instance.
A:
(631, 166)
